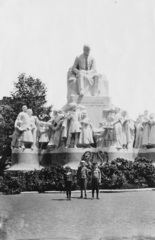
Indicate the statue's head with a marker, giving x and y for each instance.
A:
(86, 50)
(24, 108)
(124, 113)
(72, 106)
(117, 110)
(55, 111)
(29, 112)
(151, 116)
(81, 107)
(146, 112)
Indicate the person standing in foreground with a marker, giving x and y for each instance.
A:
(82, 175)
(68, 177)
(96, 180)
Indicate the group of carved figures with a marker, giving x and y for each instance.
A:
(121, 132)
(66, 129)
(73, 128)
(145, 130)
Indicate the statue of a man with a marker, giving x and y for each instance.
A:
(85, 70)
(27, 136)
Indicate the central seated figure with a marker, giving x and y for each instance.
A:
(83, 78)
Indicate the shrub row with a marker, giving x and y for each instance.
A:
(118, 174)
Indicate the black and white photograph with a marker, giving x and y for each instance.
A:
(77, 119)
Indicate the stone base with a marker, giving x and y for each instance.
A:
(25, 160)
(73, 156)
(94, 106)
(29, 160)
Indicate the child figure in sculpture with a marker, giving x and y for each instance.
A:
(17, 134)
(74, 125)
(43, 135)
(86, 135)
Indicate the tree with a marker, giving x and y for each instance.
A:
(31, 92)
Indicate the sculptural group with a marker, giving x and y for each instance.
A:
(64, 129)
(73, 128)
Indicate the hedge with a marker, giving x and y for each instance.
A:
(117, 174)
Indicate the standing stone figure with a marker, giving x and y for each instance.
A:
(146, 132)
(34, 125)
(86, 135)
(152, 130)
(126, 133)
(118, 129)
(27, 136)
(17, 134)
(85, 70)
(43, 135)
(74, 125)
(139, 132)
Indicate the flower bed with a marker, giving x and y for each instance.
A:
(118, 174)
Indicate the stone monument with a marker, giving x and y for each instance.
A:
(88, 123)
(85, 86)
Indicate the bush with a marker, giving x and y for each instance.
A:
(118, 174)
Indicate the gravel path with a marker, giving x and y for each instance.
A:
(50, 216)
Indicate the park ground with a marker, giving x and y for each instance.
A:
(124, 215)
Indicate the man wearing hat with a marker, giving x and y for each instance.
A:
(82, 175)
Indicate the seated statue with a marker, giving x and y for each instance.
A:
(83, 79)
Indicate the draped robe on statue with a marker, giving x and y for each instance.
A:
(126, 133)
(118, 131)
(27, 136)
(86, 134)
(139, 135)
(152, 133)
(146, 132)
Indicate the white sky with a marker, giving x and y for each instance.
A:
(43, 37)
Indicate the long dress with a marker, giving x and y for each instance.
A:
(86, 134)
(56, 131)
(27, 136)
(126, 133)
(146, 132)
(109, 134)
(152, 133)
(44, 134)
(139, 135)
(74, 124)
(118, 131)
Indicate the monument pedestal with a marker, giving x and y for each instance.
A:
(95, 106)
(25, 160)
(72, 156)
(29, 160)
